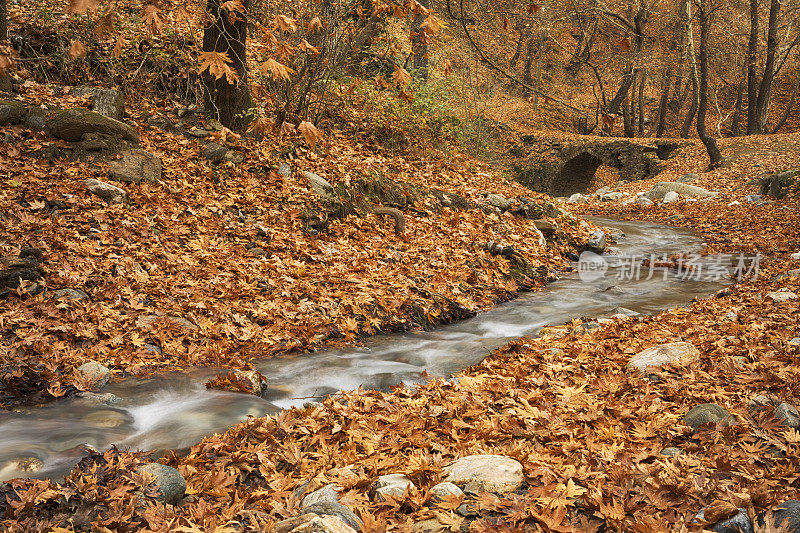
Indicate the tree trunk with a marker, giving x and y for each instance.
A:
(616, 102)
(627, 118)
(640, 118)
(419, 45)
(692, 71)
(5, 77)
(369, 32)
(512, 63)
(714, 154)
(687, 122)
(229, 102)
(752, 75)
(739, 106)
(530, 51)
(663, 104)
(765, 90)
(792, 100)
(670, 76)
(3, 20)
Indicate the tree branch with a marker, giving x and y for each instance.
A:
(500, 70)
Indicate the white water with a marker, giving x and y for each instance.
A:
(177, 411)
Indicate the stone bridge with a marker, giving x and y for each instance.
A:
(561, 167)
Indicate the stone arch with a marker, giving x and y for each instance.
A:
(576, 174)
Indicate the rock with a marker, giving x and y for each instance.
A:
(110, 193)
(97, 398)
(624, 311)
(93, 142)
(254, 378)
(545, 226)
(688, 178)
(731, 315)
(25, 267)
(70, 295)
(597, 242)
(20, 465)
(645, 202)
(107, 418)
(136, 166)
(680, 353)
(152, 348)
(490, 473)
(107, 102)
(311, 523)
(338, 510)
(753, 198)
(71, 124)
(734, 203)
(787, 413)
(776, 185)
(499, 201)
(706, 413)
(602, 190)
(739, 523)
(169, 481)
(794, 341)
(540, 237)
(782, 295)
(586, 327)
(611, 196)
(327, 494)
(661, 189)
(12, 112)
(785, 515)
(671, 197)
(198, 133)
(234, 157)
(36, 119)
(145, 321)
(445, 489)
(393, 485)
(577, 198)
(431, 525)
(94, 373)
(320, 186)
(671, 452)
(214, 152)
(285, 170)
(468, 510)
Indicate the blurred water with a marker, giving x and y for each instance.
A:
(177, 411)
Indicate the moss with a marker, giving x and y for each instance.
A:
(72, 124)
(12, 112)
(531, 175)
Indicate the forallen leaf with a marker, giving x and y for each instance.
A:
(77, 49)
(152, 19)
(284, 23)
(315, 25)
(432, 24)
(7, 55)
(81, 7)
(276, 70)
(310, 133)
(217, 64)
(401, 77)
(304, 45)
(119, 47)
(233, 7)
